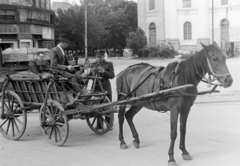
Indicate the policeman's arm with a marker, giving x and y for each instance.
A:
(108, 73)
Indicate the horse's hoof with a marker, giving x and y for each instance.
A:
(137, 145)
(172, 163)
(123, 146)
(187, 157)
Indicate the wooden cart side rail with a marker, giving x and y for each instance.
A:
(34, 91)
(89, 109)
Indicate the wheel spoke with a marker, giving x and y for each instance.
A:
(58, 123)
(50, 136)
(51, 110)
(58, 118)
(7, 107)
(8, 126)
(18, 121)
(16, 107)
(55, 134)
(46, 129)
(13, 134)
(16, 125)
(47, 109)
(3, 123)
(94, 120)
(61, 130)
(58, 132)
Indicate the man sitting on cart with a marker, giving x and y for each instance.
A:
(59, 63)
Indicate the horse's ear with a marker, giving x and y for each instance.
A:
(204, 46)
(215, 44)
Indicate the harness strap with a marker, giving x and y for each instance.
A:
(174, 74)
(141, 74)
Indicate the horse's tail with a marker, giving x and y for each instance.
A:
(120, 82)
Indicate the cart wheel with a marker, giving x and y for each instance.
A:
(54, 125)
(14, 120)
(100, 123)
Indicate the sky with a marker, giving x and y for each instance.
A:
(73, 1)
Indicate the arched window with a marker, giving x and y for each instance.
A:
(152, 34)
(186, 3)
(224, 30)
(187, 31)
(151, 4)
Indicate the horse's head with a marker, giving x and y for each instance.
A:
(216, 64)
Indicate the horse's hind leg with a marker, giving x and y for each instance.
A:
(183, 125)
(121, 121)
(129, 116)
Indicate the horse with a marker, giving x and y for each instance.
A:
(143, 79)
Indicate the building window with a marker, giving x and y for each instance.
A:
(151, 4)
(8, 29)
(24, 28)
(152, 34)
(7, 15)
(187, 31)
(224, 2)
(186, 3)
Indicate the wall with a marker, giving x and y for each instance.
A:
(146, 17)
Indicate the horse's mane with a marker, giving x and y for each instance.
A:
(192, 69)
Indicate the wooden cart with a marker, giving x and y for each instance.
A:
(51, 97)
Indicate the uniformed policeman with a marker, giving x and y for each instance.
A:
(106, 71)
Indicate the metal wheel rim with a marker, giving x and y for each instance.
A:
(13, 126)
(56, 127)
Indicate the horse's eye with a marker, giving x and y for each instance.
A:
(213, 56)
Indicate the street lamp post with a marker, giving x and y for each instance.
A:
(86, 47)
(212, 22)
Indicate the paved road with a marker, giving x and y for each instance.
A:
(212, 136)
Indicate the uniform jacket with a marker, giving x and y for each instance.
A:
(108, 74)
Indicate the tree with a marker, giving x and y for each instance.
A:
(137, 40)
(109, 22)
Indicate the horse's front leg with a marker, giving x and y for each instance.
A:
(121, 121)
(183, 125)
(173, 135)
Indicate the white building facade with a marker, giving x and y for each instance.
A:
(186, 23)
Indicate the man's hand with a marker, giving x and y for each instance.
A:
(101, 70)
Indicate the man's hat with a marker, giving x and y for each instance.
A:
(63, 38)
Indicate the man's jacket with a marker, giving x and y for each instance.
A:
(58, 60)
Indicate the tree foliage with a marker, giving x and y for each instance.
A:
(137, 40)
(109, 22)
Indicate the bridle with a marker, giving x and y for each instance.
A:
(215, 75)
